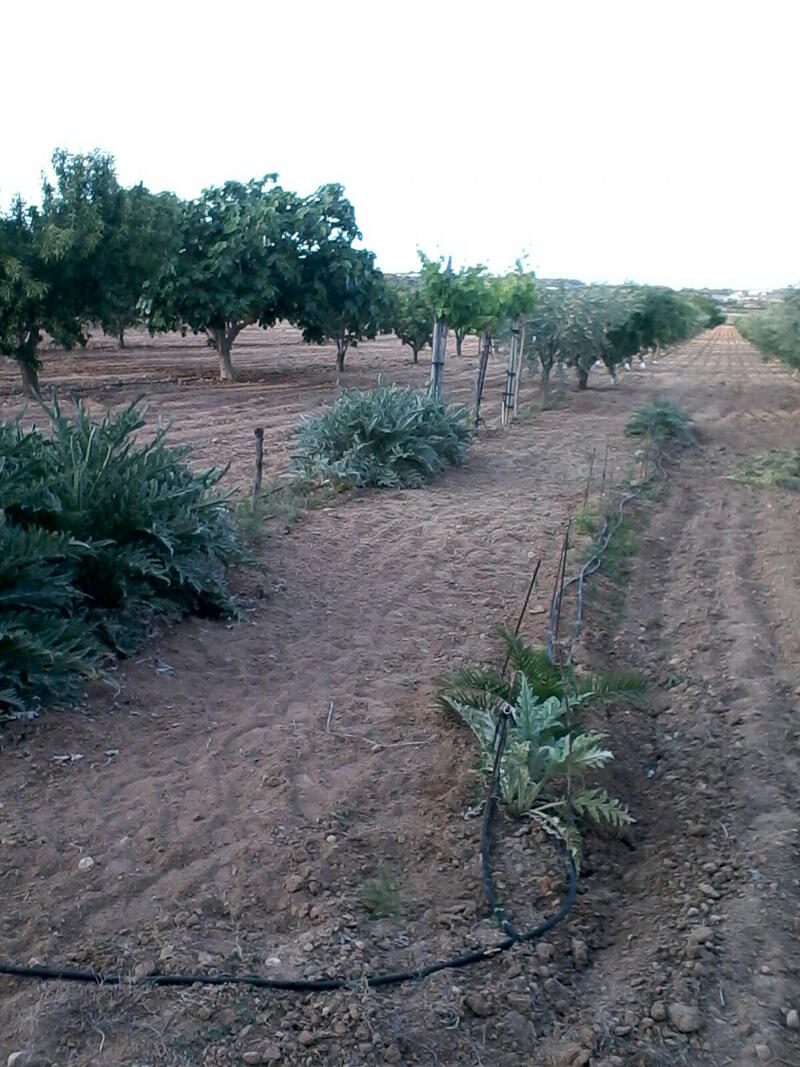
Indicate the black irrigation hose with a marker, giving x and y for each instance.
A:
(326, 985)
(392, 978)
(595, 560)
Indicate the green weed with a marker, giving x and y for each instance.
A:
(779, 468)
(380, 897)
(280, 505)
(587, 522)
(662, 422)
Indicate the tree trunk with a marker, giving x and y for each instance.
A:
(30, 381)
(583, 378)
(223, 346)
(121, 339)
(341, 350)
(259, 473)
(545, 384)
(459, 341)
(415, 350)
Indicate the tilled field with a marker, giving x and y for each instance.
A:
(250, 783)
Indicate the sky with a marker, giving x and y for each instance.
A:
(647, 141)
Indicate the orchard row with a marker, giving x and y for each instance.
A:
(95, 253)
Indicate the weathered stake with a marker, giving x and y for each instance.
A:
(605, 468)
(483, 363)
(518, 380)
(506, 411)
(438, 355)
(259, 474)
(589, 478)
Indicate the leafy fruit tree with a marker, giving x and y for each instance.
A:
(487, 319)
(411, 318)
(709, 308)
(51, 260)
(620, 338)
(543, 338)
(466, 302)
(143, 238)
(437, 285)
(776, 331)
(236, 264)
(343, 299)
(663, 317)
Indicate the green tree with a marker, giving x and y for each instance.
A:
(467, 297)
(776, 331)
(412, 318)
(708, 307)
(50, 260)
(238, 263)
(543, 336)
(343, 299)
(144, 237)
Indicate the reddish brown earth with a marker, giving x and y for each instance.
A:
(234, 818)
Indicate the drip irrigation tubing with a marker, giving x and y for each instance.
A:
(374, 981)
(324, 985)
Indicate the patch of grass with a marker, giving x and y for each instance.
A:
(618, 558)
(281, 504)
(779, 468)
(672, 679)
(618, 562)
(662, 421)
(380, 896)
(587, 521)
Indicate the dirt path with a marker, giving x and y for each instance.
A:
(251, 785)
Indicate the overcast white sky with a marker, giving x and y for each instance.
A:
(654, 140)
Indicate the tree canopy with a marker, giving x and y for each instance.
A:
(235, 264)
(411, 317)
(51, 259)
(341, 296)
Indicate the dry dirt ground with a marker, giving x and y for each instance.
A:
(250, 783)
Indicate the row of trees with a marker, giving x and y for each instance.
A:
(581, 326)
(776, 331)
(96, 253)
(556, 324)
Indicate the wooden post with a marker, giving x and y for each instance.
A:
(259, 434)
(589, 478)
(519, 367)
(507, 407)
(483, 363)
(605, 468)
(438, 355)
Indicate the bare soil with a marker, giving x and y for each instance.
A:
(250, 784)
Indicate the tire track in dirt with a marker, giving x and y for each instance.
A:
(717, 589)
